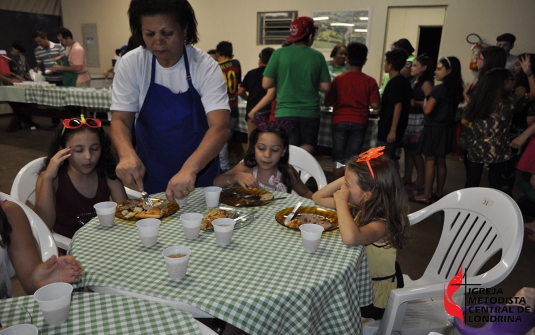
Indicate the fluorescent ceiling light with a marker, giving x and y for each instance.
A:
(343, 24)
(361, 30)
(321, 18)
(363, 18)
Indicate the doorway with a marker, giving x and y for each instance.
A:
(420, 25)
(429, 42)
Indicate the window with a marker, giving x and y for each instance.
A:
(274, 27)
(336, 27)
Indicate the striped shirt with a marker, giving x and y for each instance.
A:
(46, 56)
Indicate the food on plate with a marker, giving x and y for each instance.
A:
(215, 213)
(310, 218)
(138, 209)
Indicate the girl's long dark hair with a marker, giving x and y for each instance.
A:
(429, 73)
(453, 82)
(388, 200)
(5, 229)
(486, 94)
(283, 165)
(495, 57)
(108, 158)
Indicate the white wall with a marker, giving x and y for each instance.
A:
(235, 21)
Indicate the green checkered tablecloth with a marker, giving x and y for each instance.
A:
(12, 94)
(263, 282)
(95, 313)
(69, 96)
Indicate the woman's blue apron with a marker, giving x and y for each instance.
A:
(169, 129)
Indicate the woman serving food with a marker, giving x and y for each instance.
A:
(181, 96)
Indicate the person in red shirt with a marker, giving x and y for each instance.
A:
(352, 94)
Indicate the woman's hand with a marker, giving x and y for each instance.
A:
(63, 269)
(518, 141)
(131, 170)
(526, 65)
(528, 293)
(52, 169)
(181, 185)
(246, 180)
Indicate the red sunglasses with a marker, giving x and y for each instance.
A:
(76, 123)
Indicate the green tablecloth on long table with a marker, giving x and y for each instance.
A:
(263, 282)
(95, 313)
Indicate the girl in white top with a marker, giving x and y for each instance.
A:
(266, 161)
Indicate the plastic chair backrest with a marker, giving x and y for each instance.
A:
(40, 230)
(307, 166)
(478, 223)
(23, 188)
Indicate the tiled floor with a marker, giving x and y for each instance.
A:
(18, 148)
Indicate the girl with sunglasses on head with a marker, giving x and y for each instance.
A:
(372, 184)
(438, 136)
(78, 172)
(488, 114)
(266, 161)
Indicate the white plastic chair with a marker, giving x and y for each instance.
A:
(478, 223)
(40, 230)
(23, 189)
(307, 166)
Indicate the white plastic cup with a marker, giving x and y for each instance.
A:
(177, 266)
(106, 212)
(148, 231)
(223, 229)
(54, 302)
(211, 194)
(191, 222)
(182, 202)
(20, 329)
(311, 236)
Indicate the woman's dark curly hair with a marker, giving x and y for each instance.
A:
(5, 229)
(388, 200)
(283, 164)
(108, 157)
(180, 10)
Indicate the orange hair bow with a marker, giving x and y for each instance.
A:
(367, 156)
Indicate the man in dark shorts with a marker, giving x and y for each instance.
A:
(299, 72)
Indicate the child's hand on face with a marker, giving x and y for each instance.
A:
(341, 196)
(56, 161)
(247, 180)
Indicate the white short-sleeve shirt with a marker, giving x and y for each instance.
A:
(133, 73)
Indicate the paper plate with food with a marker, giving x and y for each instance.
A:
(242, 218)
(137, 209)
(240, 197)
(323, 217)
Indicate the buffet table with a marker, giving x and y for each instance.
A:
(61, 102)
